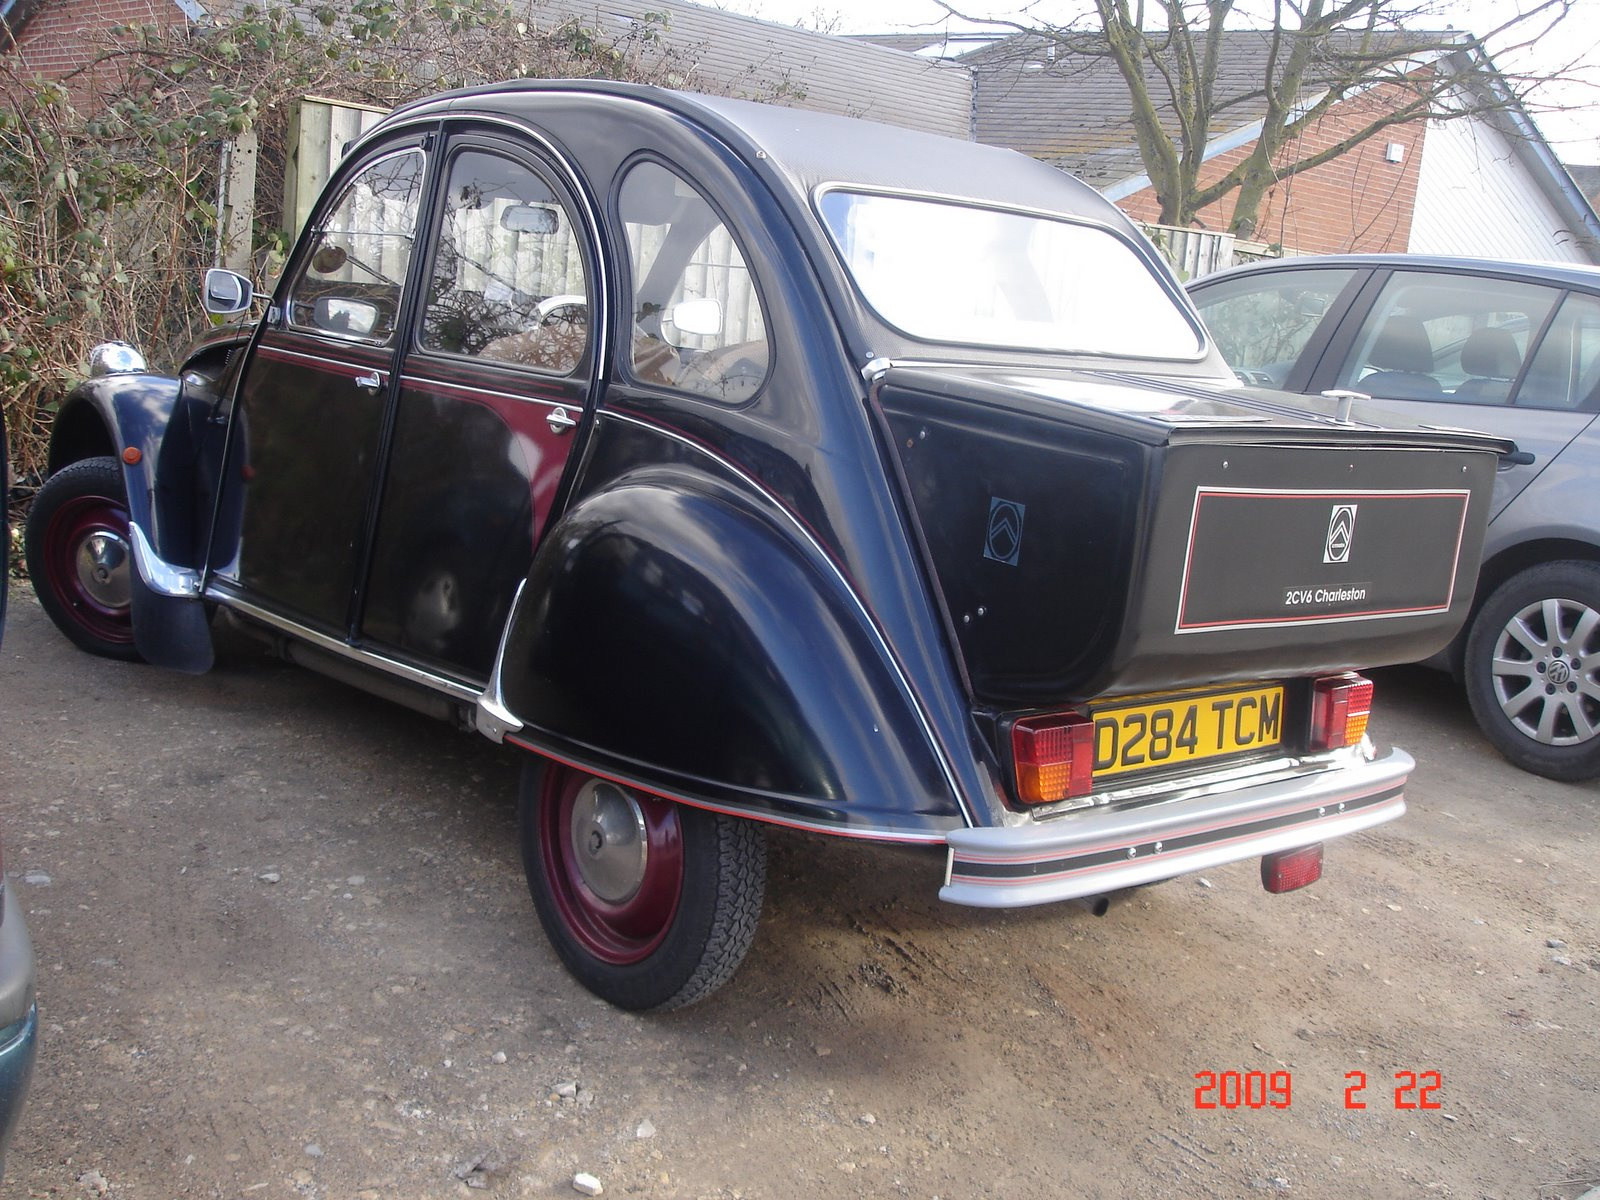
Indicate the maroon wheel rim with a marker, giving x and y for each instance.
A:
(614, 861)
(88, 564)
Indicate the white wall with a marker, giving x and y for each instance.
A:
(1475, 197)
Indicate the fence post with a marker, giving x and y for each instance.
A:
(236, 206)
(318, 131)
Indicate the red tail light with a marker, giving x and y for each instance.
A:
(1340, 706)
(1054, 757)
(1290, 869)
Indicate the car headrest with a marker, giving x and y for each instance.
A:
(1491, 353)
(1402, 346)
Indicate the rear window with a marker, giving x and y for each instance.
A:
(947, 272)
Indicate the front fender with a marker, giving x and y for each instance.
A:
(129, 417)
(672, 635)
(112, 415)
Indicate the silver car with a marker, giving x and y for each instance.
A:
(1508, 348)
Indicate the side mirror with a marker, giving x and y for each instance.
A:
(703, 317)
(226, 293)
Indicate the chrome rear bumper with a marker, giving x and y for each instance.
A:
(1094, 852)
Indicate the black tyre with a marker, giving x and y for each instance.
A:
(1533, 669)
(79, 555)
(651, 904)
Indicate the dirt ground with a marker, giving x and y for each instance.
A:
(285, 949)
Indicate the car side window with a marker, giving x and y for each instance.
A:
(698, 325)
(350, 283)
(508, 281)
(1261, 323)
(1444, 337)
(1565, 373)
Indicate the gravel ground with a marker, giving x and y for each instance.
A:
(285, 950)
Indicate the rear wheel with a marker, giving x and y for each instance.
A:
(650, 904)
(80, 556)
(1533, 669)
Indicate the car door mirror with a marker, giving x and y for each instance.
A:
(226, 292)
(340, 314)
(703, 317)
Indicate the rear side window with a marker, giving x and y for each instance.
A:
(1565, 373)
(1261, 323)
(1454, 338)
(698, 324)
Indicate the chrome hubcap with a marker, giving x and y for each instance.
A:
(102, 563)
(1544, 666)
(609, 842)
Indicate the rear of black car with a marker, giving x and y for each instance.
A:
(1160, 596)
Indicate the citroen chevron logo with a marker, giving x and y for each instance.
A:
(1341, 532)
(1004, 542)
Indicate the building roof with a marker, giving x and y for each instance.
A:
(1588, 180)
(1071, 109)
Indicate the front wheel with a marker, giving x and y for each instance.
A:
(1533, 669)
(81, 559)
(650, 904)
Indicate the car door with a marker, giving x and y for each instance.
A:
(1472, 351)
(492, 387)
(309, 413)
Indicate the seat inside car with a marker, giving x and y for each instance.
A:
(1491, 360)
(1401, 360)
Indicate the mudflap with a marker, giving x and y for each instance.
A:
(171, 631)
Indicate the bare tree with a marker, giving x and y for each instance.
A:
(1179, 62)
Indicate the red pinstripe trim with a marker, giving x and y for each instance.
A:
(909, 839)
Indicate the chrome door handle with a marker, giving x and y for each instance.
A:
(560, 421)
(369, 383)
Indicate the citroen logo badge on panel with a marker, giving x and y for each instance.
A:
(1004, 542)
(1341, 532)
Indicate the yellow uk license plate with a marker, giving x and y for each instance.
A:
(1181, 729)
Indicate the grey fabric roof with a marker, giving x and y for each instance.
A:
(1072, 110)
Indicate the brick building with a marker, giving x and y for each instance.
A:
(54, 39)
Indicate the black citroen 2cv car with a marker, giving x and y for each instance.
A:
(746, 466)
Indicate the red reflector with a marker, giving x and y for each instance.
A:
(1291, 869)
(1054, 757)
(1340, 706)
(133, 456)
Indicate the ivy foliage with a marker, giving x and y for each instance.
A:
(109, 176)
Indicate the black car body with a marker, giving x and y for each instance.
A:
(1510, 348)
(752, 466)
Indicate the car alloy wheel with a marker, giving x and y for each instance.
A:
(1533, 669)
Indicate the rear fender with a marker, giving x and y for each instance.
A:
(129, 417)
(674, 635)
